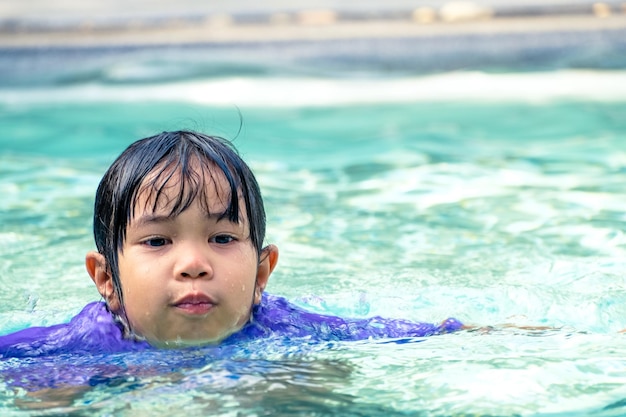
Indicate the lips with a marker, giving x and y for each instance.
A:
(195, 304)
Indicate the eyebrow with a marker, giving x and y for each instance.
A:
(147, 219)
(151, 219)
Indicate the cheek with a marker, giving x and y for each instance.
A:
(138, 277)
(240, 285)
(238, 282)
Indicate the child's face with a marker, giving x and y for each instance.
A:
(192, 278)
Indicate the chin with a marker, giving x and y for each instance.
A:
(182, 341)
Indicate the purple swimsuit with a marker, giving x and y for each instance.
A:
(94, 330)
(91, 349)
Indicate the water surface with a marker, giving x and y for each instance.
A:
(491, 197)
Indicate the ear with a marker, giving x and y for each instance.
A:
(99, 272)
(268, 261)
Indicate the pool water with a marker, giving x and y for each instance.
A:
(492, 197)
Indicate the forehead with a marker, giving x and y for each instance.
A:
(173, 188)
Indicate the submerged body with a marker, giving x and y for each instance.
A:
(94, 330)
(83, 352)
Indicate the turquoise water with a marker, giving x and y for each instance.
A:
(491, 197)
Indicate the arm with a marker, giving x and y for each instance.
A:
(276, 316)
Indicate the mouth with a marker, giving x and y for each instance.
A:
(195, 304)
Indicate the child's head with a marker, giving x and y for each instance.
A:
(179, 225)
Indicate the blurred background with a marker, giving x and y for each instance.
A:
(309, 37)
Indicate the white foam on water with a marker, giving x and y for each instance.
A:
(295, 92)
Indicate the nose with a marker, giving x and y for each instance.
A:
(192, 262)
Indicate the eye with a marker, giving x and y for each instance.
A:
(222, 239)
(155, 242)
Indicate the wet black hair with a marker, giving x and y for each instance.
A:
(149, 165)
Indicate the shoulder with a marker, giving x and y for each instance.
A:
(96, 330)
(277, 316)
(93, 313)
(278, 309)
(92, 330)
